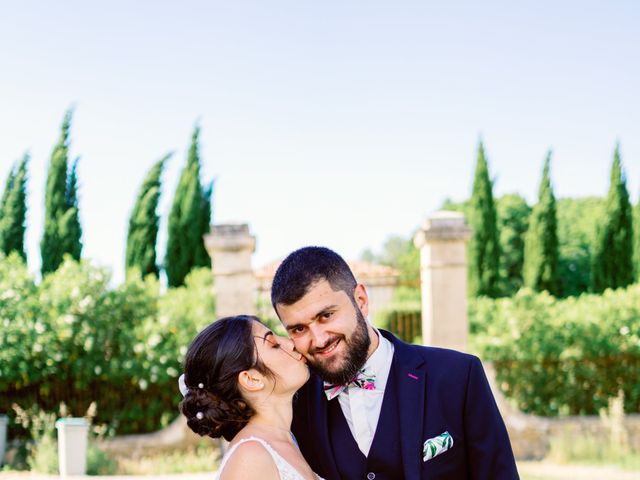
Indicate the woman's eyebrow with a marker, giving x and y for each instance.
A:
(264, 339)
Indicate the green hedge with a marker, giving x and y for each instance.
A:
(75, 338)
(565, 356)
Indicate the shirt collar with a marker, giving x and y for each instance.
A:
(380, 359)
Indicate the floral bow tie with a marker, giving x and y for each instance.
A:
(362, 380)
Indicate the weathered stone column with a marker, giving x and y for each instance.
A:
(230, 248)
(443, 275)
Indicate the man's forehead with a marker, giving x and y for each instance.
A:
(319, 296)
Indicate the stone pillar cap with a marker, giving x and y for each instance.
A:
(230, 237)
(442, 225)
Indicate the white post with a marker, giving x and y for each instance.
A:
(4, 420)
(72, 445)
(443, 273)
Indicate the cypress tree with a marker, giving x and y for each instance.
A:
(70, 229)
(613, 256)
(484, 249)
(202, 258)
(513, 221)
(636, 237)
(144, 223)
(186, 219)
(55, 200)
(541, 242)
(13, 210)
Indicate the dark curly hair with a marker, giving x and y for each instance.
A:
(303, 268)
(214, 359)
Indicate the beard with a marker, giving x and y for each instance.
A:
(357, 348)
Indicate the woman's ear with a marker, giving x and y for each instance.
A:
(251, 380)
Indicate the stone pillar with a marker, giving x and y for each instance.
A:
(72, 445)
(230, 247)
(443, 275)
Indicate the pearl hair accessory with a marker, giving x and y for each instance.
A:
(200, 385)
(199, 416)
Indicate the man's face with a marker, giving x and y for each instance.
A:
(329, 330)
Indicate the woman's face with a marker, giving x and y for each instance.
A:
(278, 355)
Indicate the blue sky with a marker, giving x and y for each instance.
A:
(334, 123)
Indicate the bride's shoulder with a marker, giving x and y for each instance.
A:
(249, 458)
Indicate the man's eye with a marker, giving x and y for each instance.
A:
(298, 329)
(327, 315)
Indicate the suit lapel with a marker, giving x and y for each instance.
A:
(410, 372)
(319, 418)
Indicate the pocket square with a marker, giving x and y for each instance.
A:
(436, 445)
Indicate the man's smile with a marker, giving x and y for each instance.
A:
(328, 350)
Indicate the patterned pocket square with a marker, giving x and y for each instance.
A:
(436, 445)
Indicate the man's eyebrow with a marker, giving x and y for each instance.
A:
(315, 317)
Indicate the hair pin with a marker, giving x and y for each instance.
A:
(199, 416)
(201, 385)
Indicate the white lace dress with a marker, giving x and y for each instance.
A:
(286, 471)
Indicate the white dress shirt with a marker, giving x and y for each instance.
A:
(361, 408)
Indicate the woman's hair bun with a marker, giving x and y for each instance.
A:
(211, 415)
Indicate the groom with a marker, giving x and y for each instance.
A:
(376, 407)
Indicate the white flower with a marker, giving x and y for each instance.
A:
(154, 340)
(7, 295)
(172, 372)
(69, 319)
(143, 384)
(85, 303)
(37, 347)
(97, 370)
(138, 348)
(624, 330)
(39, 327)
(164, 320)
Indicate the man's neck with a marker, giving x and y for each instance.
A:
(375, 341)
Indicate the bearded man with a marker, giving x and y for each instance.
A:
(376, 407)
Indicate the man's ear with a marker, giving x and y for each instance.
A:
(251, 380)
(362, 299)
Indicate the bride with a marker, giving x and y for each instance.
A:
(239, 381)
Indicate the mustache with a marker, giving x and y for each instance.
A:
(327, 343)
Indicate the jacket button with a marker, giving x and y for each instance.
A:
(371, 476)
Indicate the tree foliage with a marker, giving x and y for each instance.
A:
(636, 236)
(75, 338)
(561, 356)
(62, 231)
(513, 222)
(144, 224)
(13, 210)
(578, 219)
(540, 270)
(613, 256)
(484, 249)
(191, 204)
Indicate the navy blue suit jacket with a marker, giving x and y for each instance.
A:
(437, 390)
